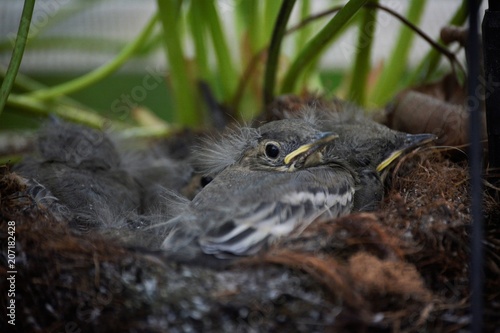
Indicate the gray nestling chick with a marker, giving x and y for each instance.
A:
(367, 146)
(82, 169)
(271, 181)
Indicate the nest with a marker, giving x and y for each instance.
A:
(403, 268)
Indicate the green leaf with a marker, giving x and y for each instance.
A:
(430, 62)
(198, 31)
(248, 12)
(68, 112)
(316, 45)
(227, 71)
(17, 54)
(274, 49)
(98, 74)
(362, 65)
(395, 66)
(183, 90)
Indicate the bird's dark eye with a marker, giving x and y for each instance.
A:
(272, 150)
(205, 180)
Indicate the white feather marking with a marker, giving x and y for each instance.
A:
(270, 220)
(317, 199)
(233, 233)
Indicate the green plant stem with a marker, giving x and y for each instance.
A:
(150, 132)
(153, 43)
(17, 53)
(68, 112)
(87, 117)
(431, 60)
(198, 28)
(304, 34)
(183, 90)
(72, 43)
(274, 50)
(271, 10)
(248, 12)
(387, 83)
(258, 56)
(101, 72)
(361, 69)
(27, 84)
(301, 39)
(225, 66)
(309, 78)
(22, 82)
(319, 42)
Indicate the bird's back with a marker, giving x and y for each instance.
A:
(235, 215)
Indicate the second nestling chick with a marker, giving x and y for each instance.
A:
(80, 169)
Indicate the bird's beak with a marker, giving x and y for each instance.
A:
(308, 149)
(411, 142)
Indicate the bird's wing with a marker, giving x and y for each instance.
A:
(245, 231)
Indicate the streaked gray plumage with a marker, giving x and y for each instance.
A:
(253, 200)
(365, 145)
(260, 195)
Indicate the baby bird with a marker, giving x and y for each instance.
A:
(79, 170)
(271, 181)
(367, 146)
(275, 180)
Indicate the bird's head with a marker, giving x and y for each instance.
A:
(287, 145)
(77, 146)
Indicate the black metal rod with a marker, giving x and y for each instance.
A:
(475, 152)
(491, 54)
(274, 50)
(494, 5)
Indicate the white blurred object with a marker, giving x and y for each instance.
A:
(115, 21)
(119, 21)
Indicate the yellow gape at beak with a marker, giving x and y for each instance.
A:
(297, 152)
(412, 141)
(385, 163)
(310, 147)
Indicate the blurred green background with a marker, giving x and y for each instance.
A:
(123, 63)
